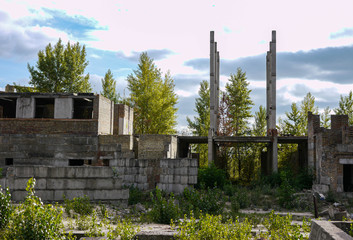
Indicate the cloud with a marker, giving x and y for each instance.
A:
(332, 64)
(155, 54)
(21, 42)
(346, 32)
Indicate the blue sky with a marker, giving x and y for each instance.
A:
(314, 43)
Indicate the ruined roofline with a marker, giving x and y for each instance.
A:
(337, 121)
(39, 94)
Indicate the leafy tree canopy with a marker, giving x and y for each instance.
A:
(109, 87)
(153, 98)
(60, 69)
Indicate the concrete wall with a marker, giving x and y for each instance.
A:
(325, 230)
(63, 107)
(170, 175)
(52, 183)
(99, 182)
(123, 119)
(51, 150)
(156, 146)
(25, 107)
(105, 115)
(49, 126)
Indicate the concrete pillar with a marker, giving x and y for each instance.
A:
(25, 107)
(63, 108)
(271, 103)
(212, 99)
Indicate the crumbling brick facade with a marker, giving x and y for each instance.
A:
(331, 153)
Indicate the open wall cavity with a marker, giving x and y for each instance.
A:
(83, 108)
(8, 107)
(44, 108)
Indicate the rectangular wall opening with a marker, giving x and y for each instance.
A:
(76, 162)
(348, 177)
(8, 161)
(83, 108)
(44, 108)
(8, 107)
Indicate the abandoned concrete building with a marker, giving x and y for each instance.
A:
(331, 152)
(76, 144)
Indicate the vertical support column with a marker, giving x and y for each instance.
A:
(217, 91)
(271, 103)
(211, 131)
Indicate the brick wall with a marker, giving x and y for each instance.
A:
(48, 126)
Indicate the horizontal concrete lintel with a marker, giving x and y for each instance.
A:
(346, 161)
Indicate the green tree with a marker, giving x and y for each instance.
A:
(260, 125)
(153, 99)
(345, 107)
(61, 69)
(307, 105)
(201, 123)
(109, 87)
(293, 125)
(235, 111)
(239, 103)
(325, 118)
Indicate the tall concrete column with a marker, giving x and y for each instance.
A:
(271, 103)
(214, 97)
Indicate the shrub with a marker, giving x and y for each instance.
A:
(286, 192)
(211, 177)
(211, 227)
(163, 210)
(5, 207)
(135, 195)
(80, 205)
(279, 227)
(304, 180)
(209, 201)
(124, 229)
(34, 220)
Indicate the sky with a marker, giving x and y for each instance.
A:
(314, 43)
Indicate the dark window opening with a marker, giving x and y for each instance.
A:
(348, 177)
(83, 108)
(106, 162)
(44, 108)
(8, 161)
(8, 107)
(88, 162)
(76, 162)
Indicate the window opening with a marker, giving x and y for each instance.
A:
(44, 108)
(83, 108)
(8, 107)
(76, 162)
(348, 177)
(8, 161)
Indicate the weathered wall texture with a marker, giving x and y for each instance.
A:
(63, 107)
(43, 149)
(105, 115)
(123, 119)
(325, 230)
(157, 146)
(49, 126)
(25, 107)
(102, 183)
(52, 183)
(170, 175)
(330, 150)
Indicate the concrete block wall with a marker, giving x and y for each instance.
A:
(105, 115)
(52, 183)
(170, 175)
(155, 146)
(43, 149)
(123, 119)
